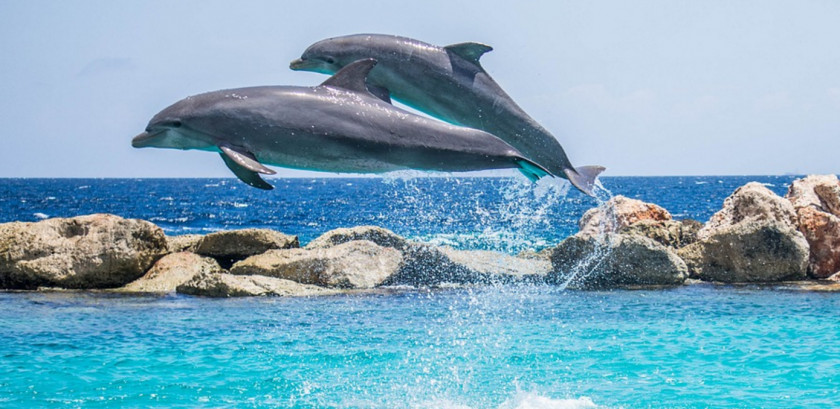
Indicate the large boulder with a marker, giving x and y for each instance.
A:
(817, 203)
(354, 264)
(214, 284)
(171, 271)
(617, 213)
(752, 239)
(378, 235)
(231, 246)
(614, 261)
(93, 251)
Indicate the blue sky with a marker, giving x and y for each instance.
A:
(642, 87)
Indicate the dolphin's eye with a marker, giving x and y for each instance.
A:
(329, 60)
(176, 124)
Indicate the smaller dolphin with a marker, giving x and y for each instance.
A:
(448, 83)
(337, 126)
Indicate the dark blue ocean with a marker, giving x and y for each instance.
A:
(506, 347)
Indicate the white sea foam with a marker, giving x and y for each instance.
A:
(522, 400)
(41, 215)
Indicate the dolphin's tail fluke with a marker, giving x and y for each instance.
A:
(584, 177)
(531, 170)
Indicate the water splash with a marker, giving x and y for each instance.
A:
(602, 240)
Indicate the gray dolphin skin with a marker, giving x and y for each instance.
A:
(335, 127)
(450, 84)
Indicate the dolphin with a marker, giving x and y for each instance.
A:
(450, 84)
(338, 126)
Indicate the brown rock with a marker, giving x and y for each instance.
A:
(171, 271)
(617, 213)
(817, 203)
(94, 251)
(355, 264)
(208, 284)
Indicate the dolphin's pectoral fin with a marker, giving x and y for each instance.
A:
(248, 176)
(380, 92)
(353, 76)
(245, 159)
(469, 51)
(584, 177)
(245, 166)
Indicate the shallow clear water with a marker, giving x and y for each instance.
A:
(497, 347)
(524, 347)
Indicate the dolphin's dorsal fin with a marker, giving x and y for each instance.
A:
(469, 51)
(352, 77)
(245, 166)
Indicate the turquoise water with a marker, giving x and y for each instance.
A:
(507, 347)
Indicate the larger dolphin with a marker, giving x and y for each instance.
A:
(448, 83)
(336, 127)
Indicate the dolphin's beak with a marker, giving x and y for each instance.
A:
(144, 139)
(303, 65)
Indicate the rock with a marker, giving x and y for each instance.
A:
(834, 277)
(499, 266)
(378, 235)
(669, 233)
(752, 239)
(617, 213)
(817, 203)
(618, 261)
(354, 264)
(171, 271)
(752, 202)
(184, 242)
(94, 251)
(228, 247)
(212, 284)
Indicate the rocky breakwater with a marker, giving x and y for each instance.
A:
(757, 237)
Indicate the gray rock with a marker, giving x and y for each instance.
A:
(753, 238)
(378, 235)
(499, 266)
(94, 251)
(171, 271)
(210, 284)
(752, 202)
(618, 213)
(184, 242)
(617, 261)
(425, 265)
(230, 246)
(354, 264)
